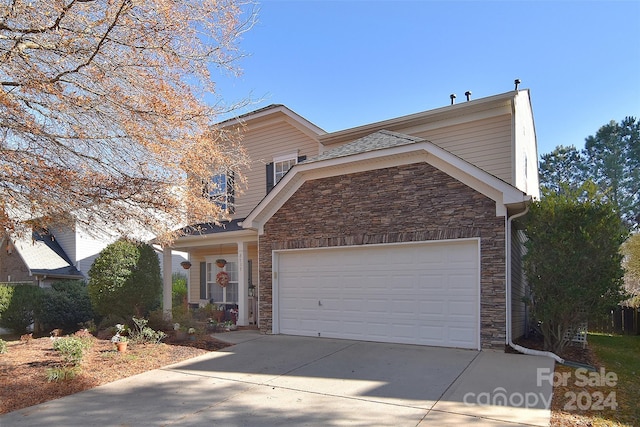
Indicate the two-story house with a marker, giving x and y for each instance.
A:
(395, 231)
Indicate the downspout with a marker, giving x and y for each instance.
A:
(510, 343)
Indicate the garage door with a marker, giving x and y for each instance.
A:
(426, 293)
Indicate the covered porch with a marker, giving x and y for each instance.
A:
(221, 269)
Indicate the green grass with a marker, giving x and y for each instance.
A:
(620, 354)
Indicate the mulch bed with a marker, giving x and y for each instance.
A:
(23, 379)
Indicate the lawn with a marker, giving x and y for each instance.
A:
(608, 397)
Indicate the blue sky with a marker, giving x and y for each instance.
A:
(342, 64)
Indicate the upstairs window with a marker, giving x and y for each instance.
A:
(282, 166)
(220, 190)
(279, 168)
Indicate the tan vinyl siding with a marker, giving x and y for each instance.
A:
(485, 143)
(518, 285)
(261, 146)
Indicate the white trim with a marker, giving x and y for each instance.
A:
(284, 157)
(203, 240)
(274, 114)
(275, 284)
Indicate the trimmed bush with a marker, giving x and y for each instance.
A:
(65, 305)
(125, 280)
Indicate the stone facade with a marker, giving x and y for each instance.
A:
(408, 203)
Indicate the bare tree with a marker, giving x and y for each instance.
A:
(103, 112)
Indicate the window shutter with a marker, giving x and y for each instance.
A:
(231, 192)
(270, 177)
(203, 280)
(302, 159)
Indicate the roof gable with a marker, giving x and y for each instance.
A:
(43, 255)
(274, 113)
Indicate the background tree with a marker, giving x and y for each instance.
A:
(611, 159)
(125, 280)
(631, 263)
(572, 261)
(179, 290)
(563, 167)
(102, 110)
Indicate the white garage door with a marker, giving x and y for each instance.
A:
(426, 293)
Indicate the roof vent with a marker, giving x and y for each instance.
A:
(453, 98)
(517, 82)
(468, 95)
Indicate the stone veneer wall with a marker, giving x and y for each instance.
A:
(400, 204)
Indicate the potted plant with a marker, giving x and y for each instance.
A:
(192, 334)
(120, 339)
(221, 262)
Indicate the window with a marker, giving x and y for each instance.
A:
(281, 167)
(220, 190)
(218, 294)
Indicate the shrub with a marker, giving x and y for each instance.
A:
(3, 346)
(65, 305)
(72, 349)
(6, 291)
(572, 261)
(20, 302)
(125, 280)
(157, 321)
(61, 373)
(141, 333)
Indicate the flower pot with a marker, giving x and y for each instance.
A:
(121, 346)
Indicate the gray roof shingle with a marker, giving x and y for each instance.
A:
(376, 141)
(43, 255)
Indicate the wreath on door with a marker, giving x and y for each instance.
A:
(222, 279)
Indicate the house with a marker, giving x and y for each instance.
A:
(396, 231)
(65, 251)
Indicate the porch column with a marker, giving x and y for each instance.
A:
(243, 285)
(166, 282)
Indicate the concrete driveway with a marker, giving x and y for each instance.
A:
(275, 380)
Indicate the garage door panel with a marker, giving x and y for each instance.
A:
(421, 293)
